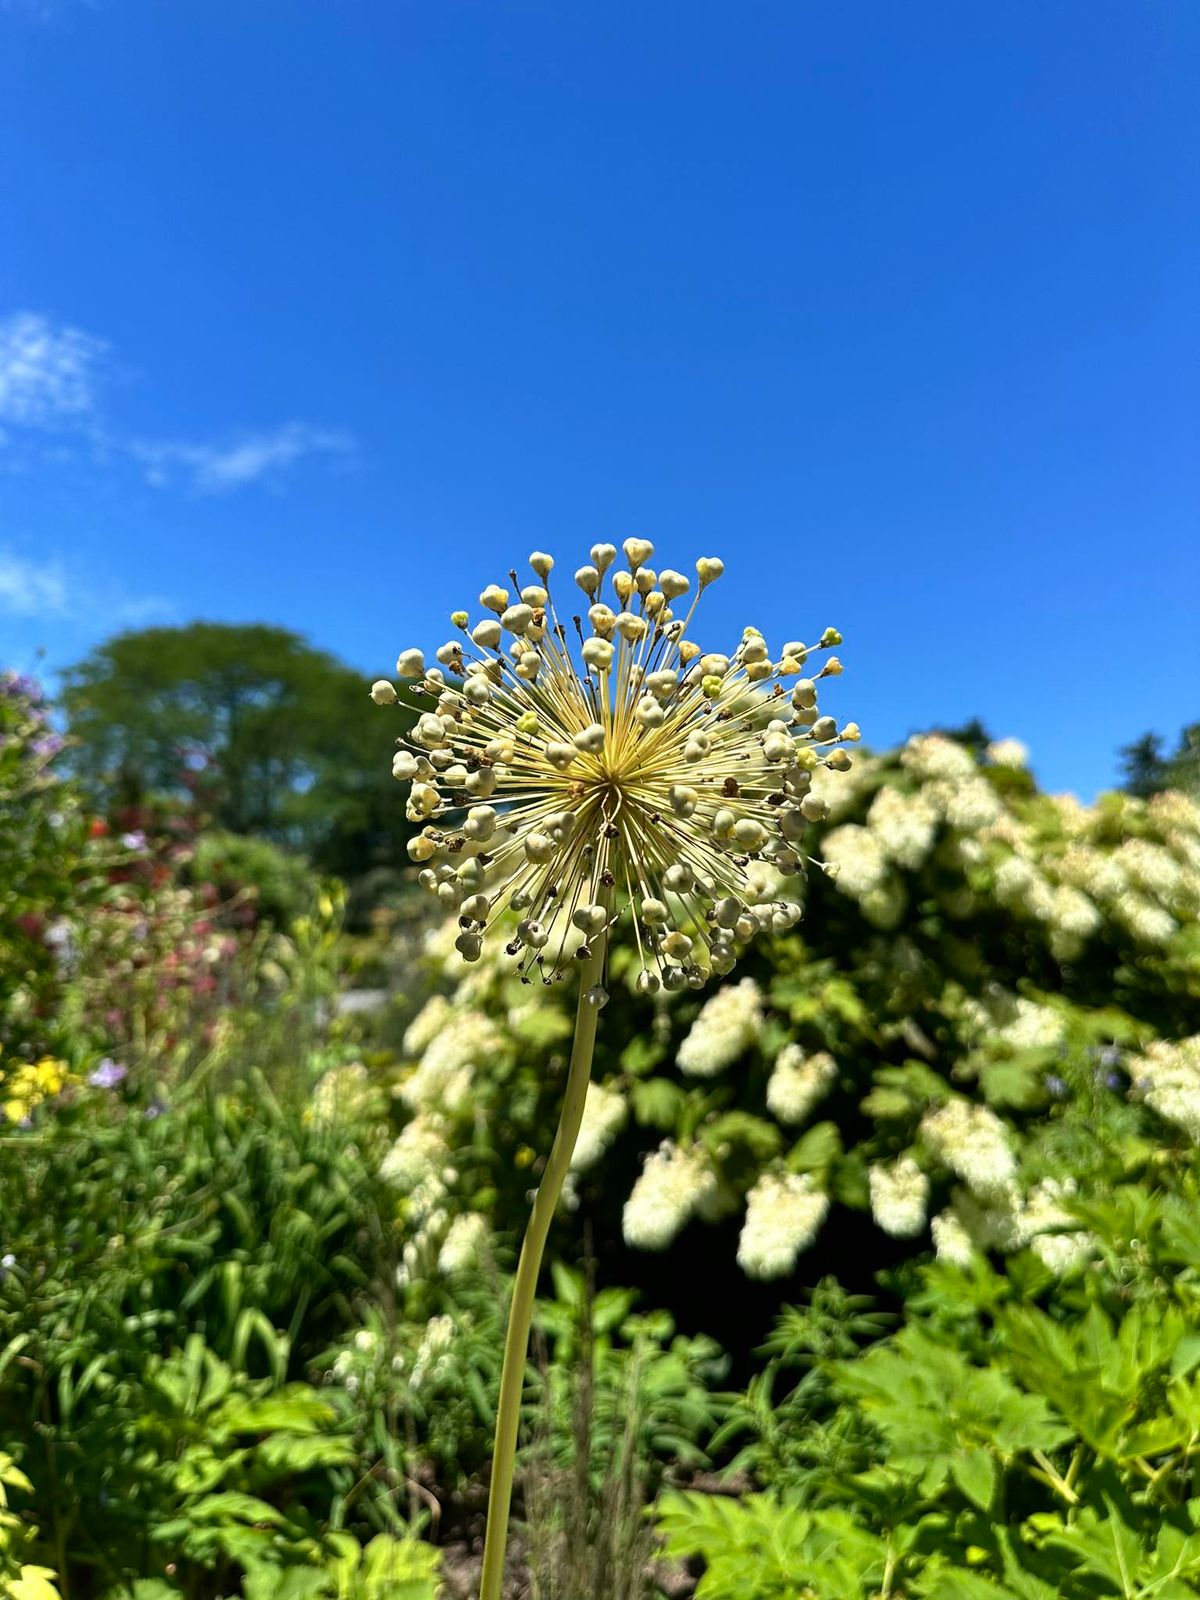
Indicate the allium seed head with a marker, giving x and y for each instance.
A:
(630, 774)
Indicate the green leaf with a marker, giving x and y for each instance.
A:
(976, 1474)
(816, 1149)
(657, 1103)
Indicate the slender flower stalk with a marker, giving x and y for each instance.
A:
(574, 773)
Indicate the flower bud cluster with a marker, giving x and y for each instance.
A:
(565, 774)
(784, 1213)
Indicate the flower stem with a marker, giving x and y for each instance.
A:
(520, 1316)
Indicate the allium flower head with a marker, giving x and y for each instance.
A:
(575, 769)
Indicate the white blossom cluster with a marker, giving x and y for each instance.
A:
(973, 1142)
(1008, 753)
(340, 1094)
(675, 1185)
(728, 1024)
(855, 858)
(899, 1197)
(798, 1082)
(571, 774)
(464, 1244)
(904, 826)
(463, 1041)
(784, 1213)
(1167, 1074)
(1008, 1221)
(604, 1113)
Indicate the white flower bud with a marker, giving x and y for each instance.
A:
(590, 740)
(590, 919)
(603, 556)
(683, 800)
(709, 569)
(494, 598)
(649, 712)
(469, 946)
(722, 823)
(777, 747)
(814, 808)
(383, 693)
(624, 585)
(480, 823)
(749, 834)
(602, 618)
(673, 583)
(534, 595)
(588, 580)
(804, 694)
(637, 552)
(539, 848)
(532, 933)
(824, 728)
(792, 823)
(421, 848)
(477, 691)
(653, 911)
(481, 782)
(631, 627)
(560, 755)
(541, 563)
(598, 654)
(477, 907)
(696, 747)
(597, 996)
(486, 634)
(678, 946)
(678, 878)
(411, 663)
(517, 619)
(662, 685)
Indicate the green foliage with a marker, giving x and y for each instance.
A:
(270, 735)
(19, 1579)
(170, 1281)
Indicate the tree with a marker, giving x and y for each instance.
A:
(249, 723)
(1149, 770)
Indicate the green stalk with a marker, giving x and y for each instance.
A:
(520, 1316)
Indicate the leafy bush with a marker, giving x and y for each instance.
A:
(900, 1064)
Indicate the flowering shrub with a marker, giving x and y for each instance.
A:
(123, 943)
(905, 1053)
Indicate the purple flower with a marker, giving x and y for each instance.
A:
(155, 1109)
(48, 745)
(108, 1074)
(135, 840)
(1115, 1080)
(1056, 1086)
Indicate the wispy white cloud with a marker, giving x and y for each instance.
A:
(45, 589)
(52, 378)
(32, 588)
(50, 373)
(257, 457)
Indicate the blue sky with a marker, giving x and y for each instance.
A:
(326, 312)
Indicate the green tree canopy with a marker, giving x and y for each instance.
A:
(1148, 769)
(267, 734)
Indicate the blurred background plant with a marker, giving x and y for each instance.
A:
(888, 1266)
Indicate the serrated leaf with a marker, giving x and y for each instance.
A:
(976, 1474)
